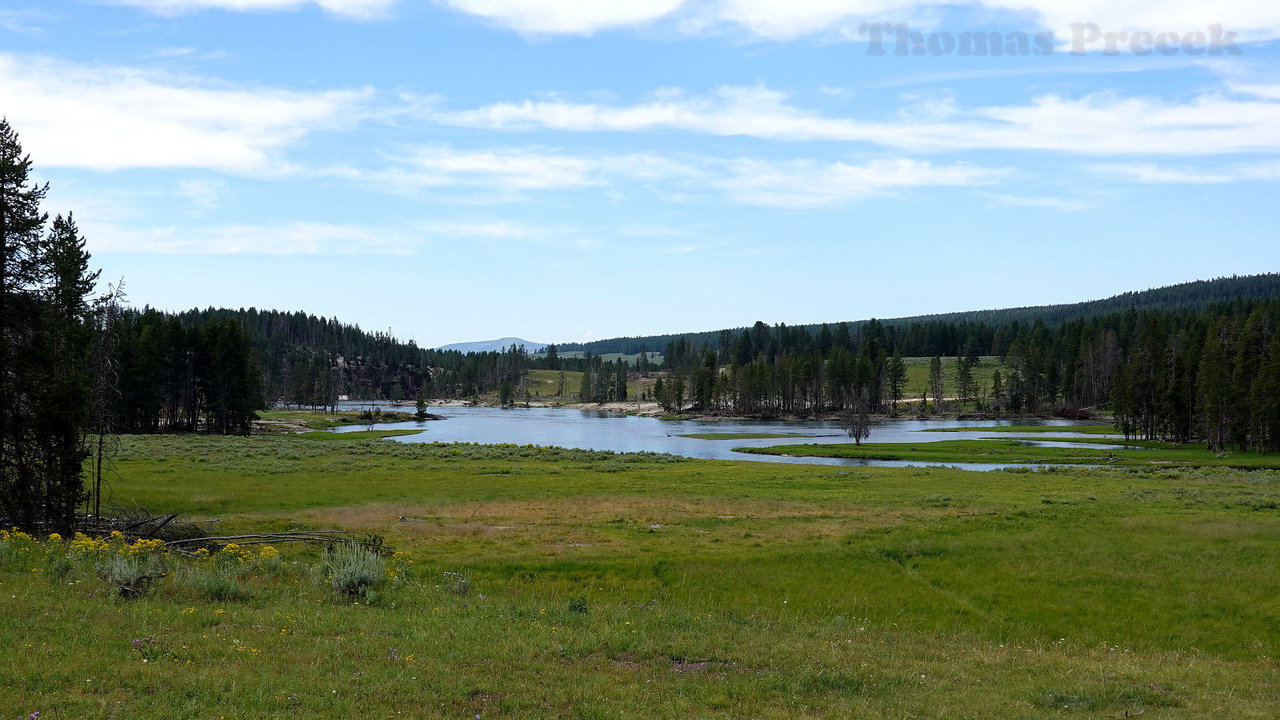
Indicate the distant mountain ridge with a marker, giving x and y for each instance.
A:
(494, 345)
(1193, 296)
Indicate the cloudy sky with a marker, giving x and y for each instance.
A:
(466, 169)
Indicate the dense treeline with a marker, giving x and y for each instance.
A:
(604, 381)
(1215, 378)
(1212, 375)
(210, 369)
(173, 376)
(934, 334)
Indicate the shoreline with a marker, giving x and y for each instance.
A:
(653, 409)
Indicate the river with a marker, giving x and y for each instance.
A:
(600, 430)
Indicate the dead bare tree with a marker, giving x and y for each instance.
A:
(857, 419)
(105, 388)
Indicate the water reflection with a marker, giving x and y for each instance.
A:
(603, 430)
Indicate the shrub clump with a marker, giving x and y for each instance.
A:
(356, 571)
(128, 568)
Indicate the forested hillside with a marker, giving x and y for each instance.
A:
(935, 334)
(212, 368)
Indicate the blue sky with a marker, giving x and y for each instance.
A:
(467, 169)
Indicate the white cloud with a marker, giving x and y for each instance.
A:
(1155, 174)
(780, 20)
(488, 230)
(1041, 202)
(770, 183)
(1266, 91)
(299, 238)
(1099, 124)
(507, 173)
(306, 238)
(204, 193)
(108, 118)
(809, 184)
(25, 22)
(507, 169)
(1253, 19)
(730, 110)
(574, 17)
(359, 9)
(790, 19)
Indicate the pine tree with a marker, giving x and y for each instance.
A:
(44, 379)
(936, 382)
(997, 391)
(1266, 408)
(620, 380)
(1213, 392)
(896, 371)
(964, 379)
(586, 393)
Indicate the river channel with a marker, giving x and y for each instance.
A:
(600, 430)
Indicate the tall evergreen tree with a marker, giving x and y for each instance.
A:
(936, 382)
(896, 372)
(586, 393)
(1213, 396)
(44, 381)
(964, 380)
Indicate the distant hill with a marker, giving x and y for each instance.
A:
(1192, 296)
(495, 345)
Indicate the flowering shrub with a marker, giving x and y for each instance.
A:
(218, 575)
(15, 544)
(131, 568)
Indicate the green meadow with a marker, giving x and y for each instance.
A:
(918, 375)
(546, 383)
(1004, 450)
(326, 420)
(565, 583)
(1076, 428)
(744, 436)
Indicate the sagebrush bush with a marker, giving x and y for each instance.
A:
(131, 575)
(354, 570)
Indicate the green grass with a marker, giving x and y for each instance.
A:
(744, 436)
(546, 383)
(1002, 450)
(918, 375)
(655, 359)
(1082, 429)
(361, 434)
(711, 589)
(317, 420)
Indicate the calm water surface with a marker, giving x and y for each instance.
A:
(599, 430)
